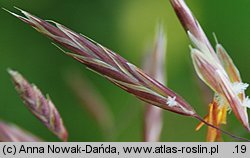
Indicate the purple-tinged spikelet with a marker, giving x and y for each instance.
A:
(41, 107)
(110, 65)
(215, 68)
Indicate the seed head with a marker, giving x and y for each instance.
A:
(41, 107)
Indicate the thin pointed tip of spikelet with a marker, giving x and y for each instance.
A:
(16, 76)
(64, 136)
(12, 13)
(11, 71)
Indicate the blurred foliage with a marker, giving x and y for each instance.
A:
(127, 27)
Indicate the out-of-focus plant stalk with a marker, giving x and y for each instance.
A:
(41, 107)
(12, 133)
(155, 66)
(92, 101)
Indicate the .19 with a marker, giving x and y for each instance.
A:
(241, 149)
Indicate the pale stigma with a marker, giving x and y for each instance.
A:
(246, 102)
(171, 101)
(239, 87)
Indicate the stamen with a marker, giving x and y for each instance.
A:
(222, 102)
(219, 100)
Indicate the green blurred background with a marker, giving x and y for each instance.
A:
(125, 26)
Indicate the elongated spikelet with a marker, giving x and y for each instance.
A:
(215, 68)
(41, 107)
(110, 65)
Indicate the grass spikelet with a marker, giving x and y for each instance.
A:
(40, 106)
